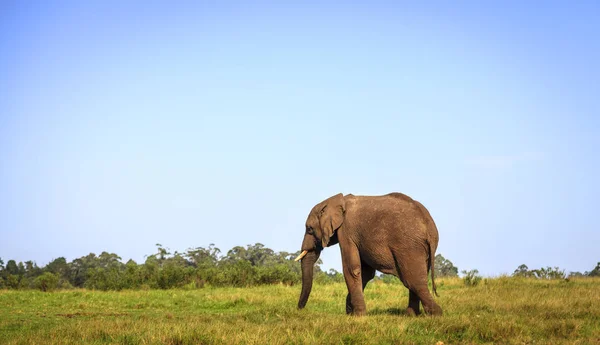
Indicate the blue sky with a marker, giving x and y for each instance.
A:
(123, 125)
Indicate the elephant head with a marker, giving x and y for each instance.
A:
(321, 231)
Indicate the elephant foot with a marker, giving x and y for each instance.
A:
(358, 313)
(412, 312)
(355, 311)
(434, 310)
(350, 310)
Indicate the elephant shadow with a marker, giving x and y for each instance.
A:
(389, 311)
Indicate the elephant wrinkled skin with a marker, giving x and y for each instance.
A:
(391, 233)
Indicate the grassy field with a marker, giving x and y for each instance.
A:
(499, 311)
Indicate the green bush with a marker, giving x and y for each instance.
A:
(15, 282)
(390, 279)
(471, 278)
(64, 285)
(46, 282)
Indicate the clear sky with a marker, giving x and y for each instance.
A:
(129, 123)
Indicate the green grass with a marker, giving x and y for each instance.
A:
(497, 311)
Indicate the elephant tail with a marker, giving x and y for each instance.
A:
(432, 266)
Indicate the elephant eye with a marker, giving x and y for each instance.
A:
(309, 231)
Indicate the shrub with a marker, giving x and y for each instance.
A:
(390, 279)
(15, 282)
(46, 282)
(64, 285)
(471, 277)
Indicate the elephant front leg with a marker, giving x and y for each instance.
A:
(349, 308)
(367, 273)
(355, 301)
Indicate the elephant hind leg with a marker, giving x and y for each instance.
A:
(429, 304)
(414, 276)
(421, 290)
(413, 304)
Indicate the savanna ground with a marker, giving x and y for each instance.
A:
(498, 311)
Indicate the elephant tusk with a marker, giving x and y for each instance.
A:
(303, 254)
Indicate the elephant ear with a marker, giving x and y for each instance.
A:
(332, 217)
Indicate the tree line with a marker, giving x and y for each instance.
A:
(195, 268)
(553, 272)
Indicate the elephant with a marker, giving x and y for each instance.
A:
(391, 233)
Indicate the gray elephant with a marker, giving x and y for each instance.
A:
(391, 233)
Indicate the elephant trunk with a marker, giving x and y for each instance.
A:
(308, 263)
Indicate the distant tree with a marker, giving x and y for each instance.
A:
(21, 268)
(203, 257)
(162, 254)
(549, 273)
(32, 270)
(107, 273)
(12, 267)
(576, 274)
(2, 274)
(444, 267)
(13, 276)
(595, 272)
(78, 269)
(332, 276)
(176, 271)
(540, 273)
(523, 271)
(235, 254)
(132, 276)
(59, 267)
(258, 254)
(109, 260)
(338, 276)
